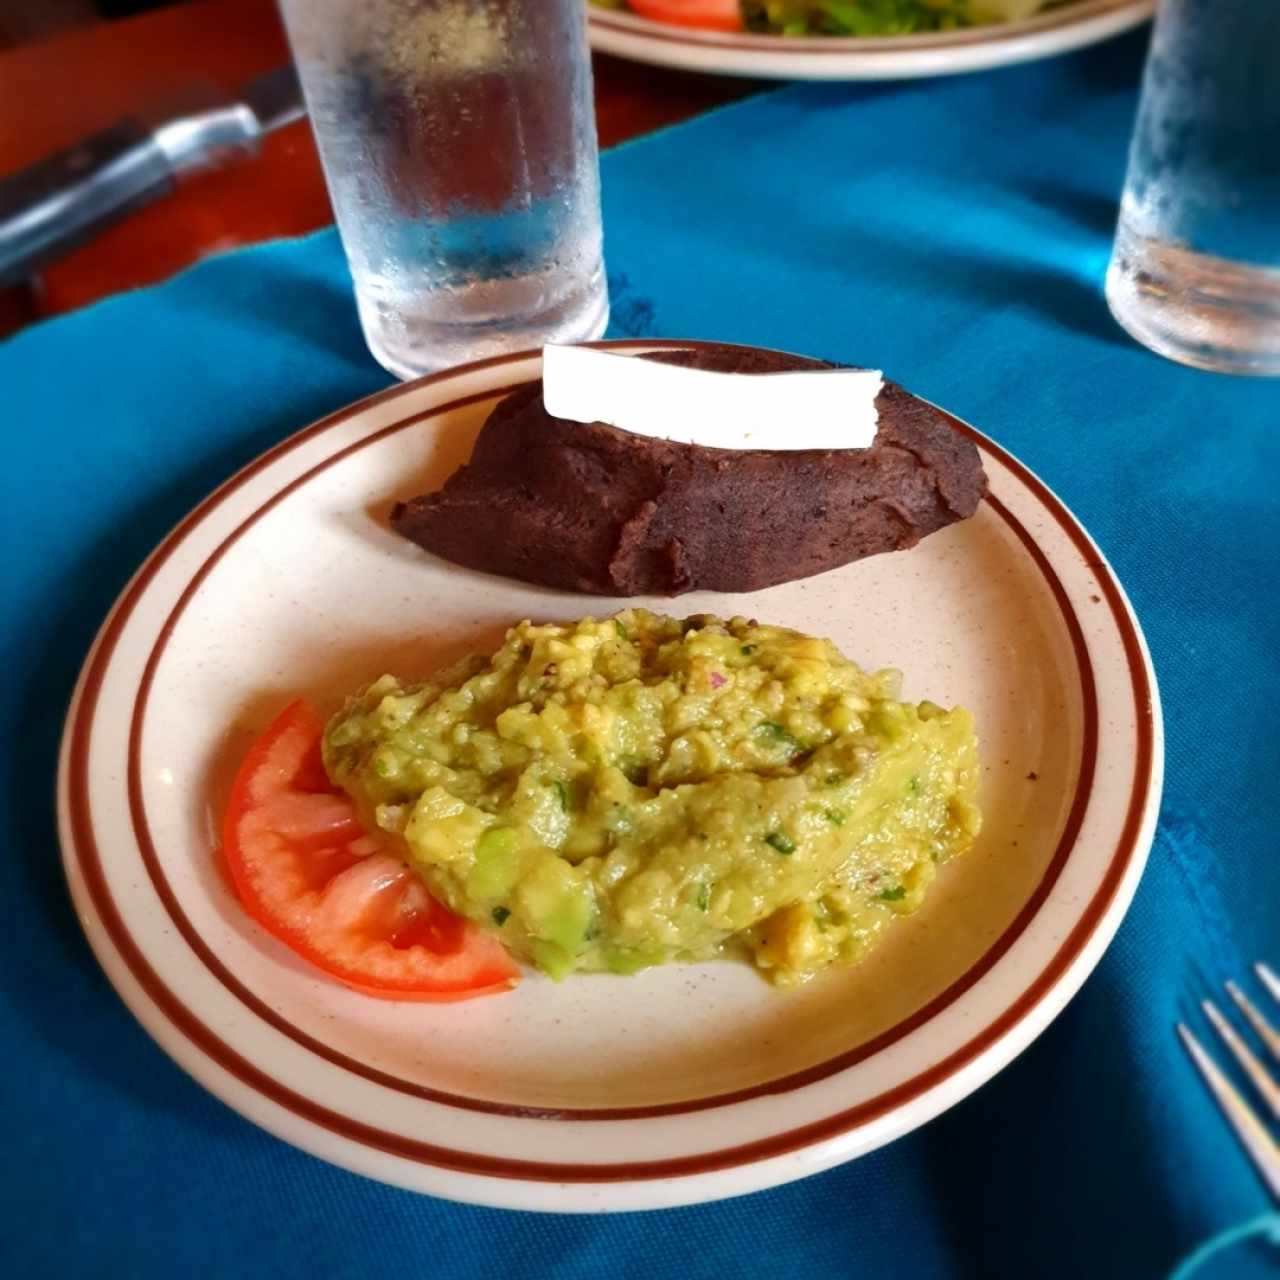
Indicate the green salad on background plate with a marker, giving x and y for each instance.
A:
(829, 17)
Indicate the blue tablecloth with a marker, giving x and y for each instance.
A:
(953, 233)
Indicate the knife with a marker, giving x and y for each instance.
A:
(61, 202)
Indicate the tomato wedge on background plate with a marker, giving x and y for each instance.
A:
(710, 15)
(306, 871)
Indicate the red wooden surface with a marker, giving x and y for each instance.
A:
(123, 68)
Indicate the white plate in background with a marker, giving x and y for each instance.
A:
(1068, 26)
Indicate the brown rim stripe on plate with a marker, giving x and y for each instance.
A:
(87, 856)
(1069, 15)
(795, 1080)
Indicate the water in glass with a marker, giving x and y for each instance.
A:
(459, 146)
(1195, 273)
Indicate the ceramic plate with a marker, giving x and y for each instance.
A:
(681, 1084)
(1071, 25)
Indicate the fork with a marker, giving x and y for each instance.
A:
(1254, 1136)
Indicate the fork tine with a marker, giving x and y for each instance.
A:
(1249, 1064)
(1266, 1032)
(1269, 980)
(1259, 1144)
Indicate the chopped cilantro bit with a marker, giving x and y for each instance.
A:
(500, 915)
(563, 793)
(621, 630)
(896, 894)
(703, 900)
(776, 733)
(914, 785)
(780, 841)
(747, 650)
(837, 817)
(835, 779)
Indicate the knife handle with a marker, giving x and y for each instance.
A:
(62, 201)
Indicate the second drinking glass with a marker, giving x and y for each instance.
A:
(1195, 273)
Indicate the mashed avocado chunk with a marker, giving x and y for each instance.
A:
(609, 795)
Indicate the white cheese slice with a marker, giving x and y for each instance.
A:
(808, 409)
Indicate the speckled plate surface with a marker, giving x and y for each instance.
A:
(680, 1084)
(1060, 29)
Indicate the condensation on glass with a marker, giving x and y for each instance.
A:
(459, 146)
(1195, 272)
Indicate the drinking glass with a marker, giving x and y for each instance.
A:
(459, 146)
(1195, 272)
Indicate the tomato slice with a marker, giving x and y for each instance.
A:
(711, 15)
(306, 871)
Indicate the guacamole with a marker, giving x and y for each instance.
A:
(609, 795)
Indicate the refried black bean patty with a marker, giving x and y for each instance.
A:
(587, 507)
